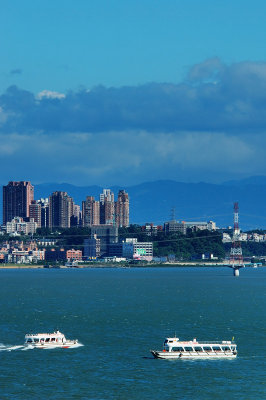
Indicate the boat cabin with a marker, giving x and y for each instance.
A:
(174, 345)
(45, 338)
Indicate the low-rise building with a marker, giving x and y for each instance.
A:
(201, 225)
(175, 226)
(18, 225)
(151, 229)
(132, 249)
(55, 254)
(74, 255)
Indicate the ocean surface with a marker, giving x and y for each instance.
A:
(118, 315)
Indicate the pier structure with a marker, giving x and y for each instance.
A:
(236, 257)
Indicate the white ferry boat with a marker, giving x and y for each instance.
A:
(45, 340)
(175, 349)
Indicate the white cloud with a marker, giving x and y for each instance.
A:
(49, 94)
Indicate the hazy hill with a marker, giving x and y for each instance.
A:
(153, 201)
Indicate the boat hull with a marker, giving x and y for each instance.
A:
(53, 345)
(192, 355)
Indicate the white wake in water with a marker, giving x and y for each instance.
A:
(74, 346)
(7, 347)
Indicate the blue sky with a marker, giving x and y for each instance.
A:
(167, 89)
(62, 45)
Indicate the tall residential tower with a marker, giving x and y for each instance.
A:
(60, 210)
(122, 209)
(17, 197)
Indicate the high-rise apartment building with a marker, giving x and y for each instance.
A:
(107, 207)
(90, 212)
(76, 217)
(122, 209)
(60, 210)
(17, 197)
(106, 211)
(44, 202)
(36, 212)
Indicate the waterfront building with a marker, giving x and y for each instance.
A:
(122, 209)
(132, 249)
(60, 210)
(17, 197)
(55, 254)
(37, 255)
(74, 255)
(107, 234)
(115, 250)
(92, 248)
(90, 212)
(143, 251)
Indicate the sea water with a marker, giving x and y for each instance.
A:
(118, 315)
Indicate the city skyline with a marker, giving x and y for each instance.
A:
(60, 210)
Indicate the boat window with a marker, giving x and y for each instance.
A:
(216, 348)
(198, 349)
(188, 349)
(53, 339)
(29, 341)
(226, 348)
(170, 341)
(177, 349)
(47, 339)
(207, 348)
(42, 339)
(36, 340)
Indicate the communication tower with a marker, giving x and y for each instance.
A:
(236, 256)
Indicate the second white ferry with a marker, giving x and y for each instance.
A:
(46, 340)
(175, 349)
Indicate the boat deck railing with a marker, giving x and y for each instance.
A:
(222, 343)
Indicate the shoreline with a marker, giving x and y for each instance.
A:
(124, 266)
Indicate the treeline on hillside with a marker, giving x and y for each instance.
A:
(183, 247)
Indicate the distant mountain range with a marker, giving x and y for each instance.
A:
(157, 201)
